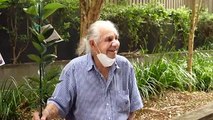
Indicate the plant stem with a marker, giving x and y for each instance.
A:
(41, 70)
(40, 88)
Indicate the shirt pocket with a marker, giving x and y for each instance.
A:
(122, 101)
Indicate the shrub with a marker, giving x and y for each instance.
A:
(203, 71)
(31, 89)
(169, 72)
(149, 27)
(10, 99)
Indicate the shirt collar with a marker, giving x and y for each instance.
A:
(91, 64)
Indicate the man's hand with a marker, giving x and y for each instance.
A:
(37, 117)
(50, 112)
(131, 116)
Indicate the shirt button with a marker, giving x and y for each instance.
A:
(109, 118)
(107, 104)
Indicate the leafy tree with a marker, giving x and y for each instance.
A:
(42, 41)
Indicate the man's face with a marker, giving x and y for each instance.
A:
(108, 43)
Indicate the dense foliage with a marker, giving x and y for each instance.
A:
(149, 28)
(153, 29)
(168, 71)
(10, 99)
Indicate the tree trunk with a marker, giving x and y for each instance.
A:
(90, 12)
(194, 19)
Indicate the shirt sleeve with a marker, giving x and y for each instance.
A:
(135, 98)
(64, 94)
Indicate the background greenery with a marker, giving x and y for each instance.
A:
(147, 29)
(168, 71)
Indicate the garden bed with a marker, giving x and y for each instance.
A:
(168, 106)
(173, 104)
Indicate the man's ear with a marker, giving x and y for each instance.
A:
(92, 43)
(93, 46)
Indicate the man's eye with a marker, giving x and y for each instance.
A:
(116, 37)
(109, 39)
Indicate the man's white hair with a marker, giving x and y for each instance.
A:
(93, 33)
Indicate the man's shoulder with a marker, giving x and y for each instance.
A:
(122, 61)
(80, 60)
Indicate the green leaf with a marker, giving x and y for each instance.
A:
(34, 79)
(34, 34)
(40, 47)
(4, 4)
(49, 9)
(1, 1)
(33, 10)
(36, 26)
(53, 73)
(35, 58)
(41, 38)
(45, 49)
(49, 57)
(53, 42)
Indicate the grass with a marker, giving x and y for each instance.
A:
(10, 98)
(16, 100)
(170, 73)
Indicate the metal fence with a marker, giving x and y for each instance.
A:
(169, 4)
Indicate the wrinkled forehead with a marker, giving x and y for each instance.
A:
(106, 31)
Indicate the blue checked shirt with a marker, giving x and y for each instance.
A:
(84, 94)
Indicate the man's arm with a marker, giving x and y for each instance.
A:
(131, 116)
(51, 111)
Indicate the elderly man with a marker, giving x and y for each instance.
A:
(99, 85)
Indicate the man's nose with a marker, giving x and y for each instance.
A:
(115, 43)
